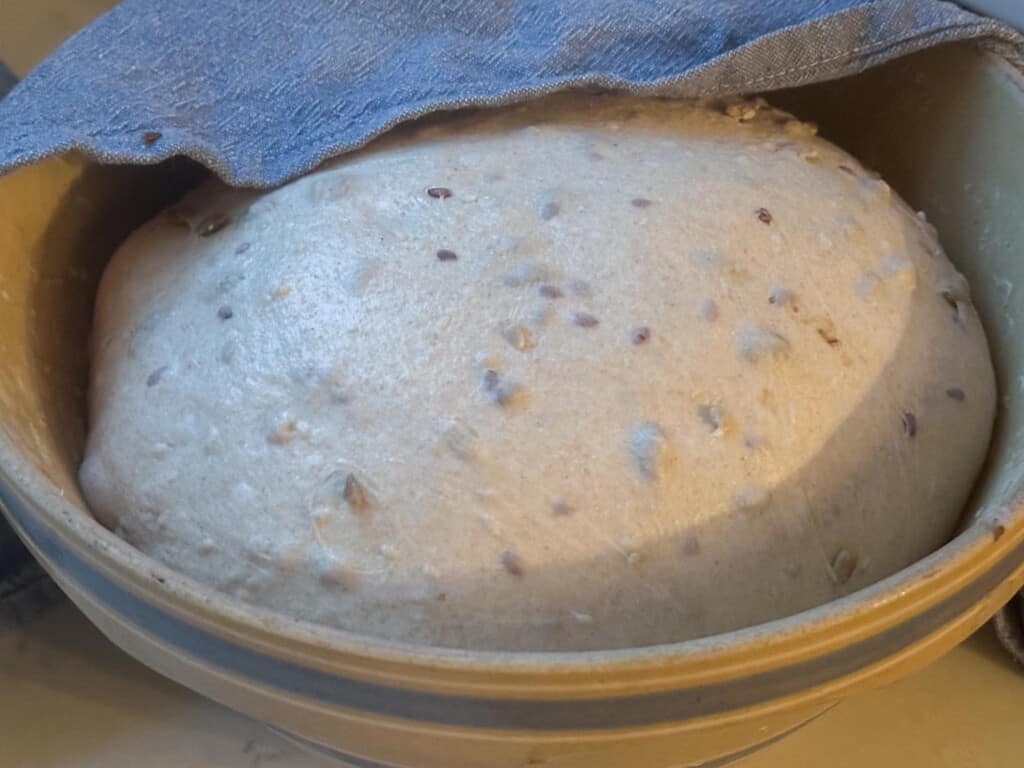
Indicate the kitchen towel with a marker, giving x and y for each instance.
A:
(263, 91)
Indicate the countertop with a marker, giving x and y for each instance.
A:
(70, 699)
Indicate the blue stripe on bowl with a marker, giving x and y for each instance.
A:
(502, 714)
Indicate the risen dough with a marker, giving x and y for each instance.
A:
(594, 372)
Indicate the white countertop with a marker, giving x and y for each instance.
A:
(69, 699)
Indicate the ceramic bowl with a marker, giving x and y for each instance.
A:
(944, 127)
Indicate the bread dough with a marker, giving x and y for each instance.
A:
(591, 372)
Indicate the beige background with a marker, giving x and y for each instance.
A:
(69, 698)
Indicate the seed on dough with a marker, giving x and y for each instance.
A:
(281, 291)
(641, 335)
(959, 307)
(877, 186)
(550, 291)
(868, 283)
(497, 390)
(742, 113)
(519, 337)
(955, 393)
(445, 255)
(754, 342)
(549, 210)
(225, 312)
(764, 216)
(780, 296)
(154, 378)
(712, 416)
(909, 423)
(640, 202)
(751, 498)
(842, 566)
(847, 169)
(333, 573)
(328, 497)
(355, 493)
(561, 508)
(439, 193)
(827, 331)
(242, 248)
(949, 298)
(709, 310)
(149, 137)
(487, 359)
(512, 562)
(647, 446)
(490, 379)
(584, 319)
(212, 224)
(831, 340)
(284, 434)
(957, 286)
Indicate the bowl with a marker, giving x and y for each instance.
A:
(943, 127)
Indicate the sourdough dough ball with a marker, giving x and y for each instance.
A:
(593, 372)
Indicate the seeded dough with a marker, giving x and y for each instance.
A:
(594, 372)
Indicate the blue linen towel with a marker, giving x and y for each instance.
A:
(261, 91)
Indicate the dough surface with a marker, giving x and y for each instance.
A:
(592, 372)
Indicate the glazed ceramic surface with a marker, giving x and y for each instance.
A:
(943, 127)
